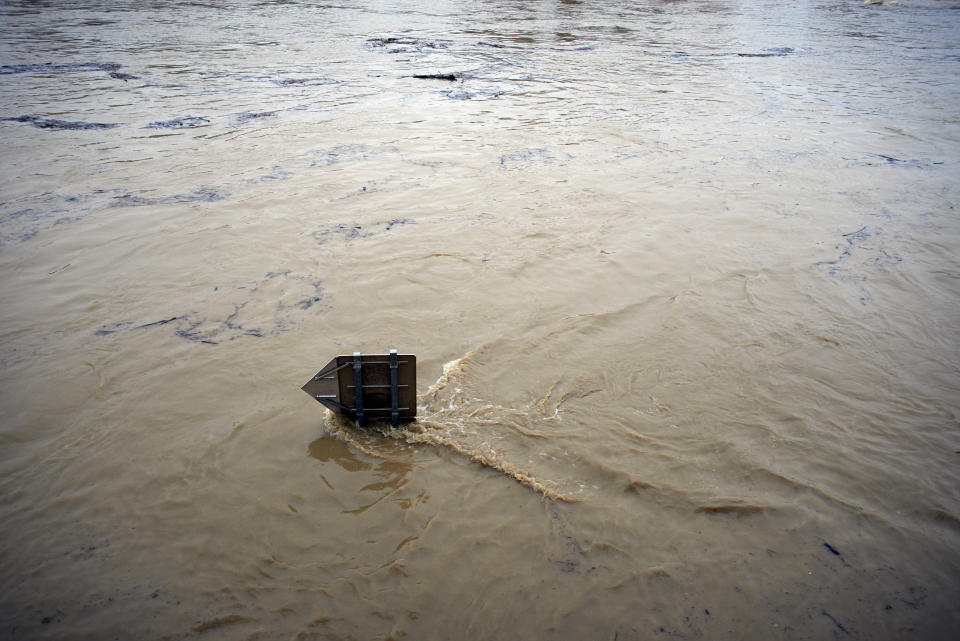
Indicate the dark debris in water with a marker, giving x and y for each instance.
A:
(87, 552)
(912, 163)
(362, 191)
(497, 45)
(835, 622)
(49, 123)
(268, 306)
(734, 509)
(436, 76)
(568, 566)
(303, 82)
(571, 550)
(248, 116)
(420, 48)
(407, 44)
(112, 69)
(24, 218)
(861, 250)
(772, 52)
(352, 231)
(196, 196)
(179, 123)
(163, 597)
(159, 322)
(276, 173)
(526, 158)
(70, 67)
(462, 94)
(399, 221)
(21, 223)
(348, 231)
(56, 617)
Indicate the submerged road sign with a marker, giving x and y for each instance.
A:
(366, 386)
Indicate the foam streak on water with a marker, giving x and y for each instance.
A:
(692, 268)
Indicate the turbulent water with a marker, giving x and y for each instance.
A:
(682, 279)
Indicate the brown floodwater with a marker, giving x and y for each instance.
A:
(682, 279)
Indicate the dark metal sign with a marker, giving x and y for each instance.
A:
(368, 386)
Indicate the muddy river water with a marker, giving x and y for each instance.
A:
(682, 278)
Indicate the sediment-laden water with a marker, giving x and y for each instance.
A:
(682, 279)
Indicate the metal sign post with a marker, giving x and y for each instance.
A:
(382, 385)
